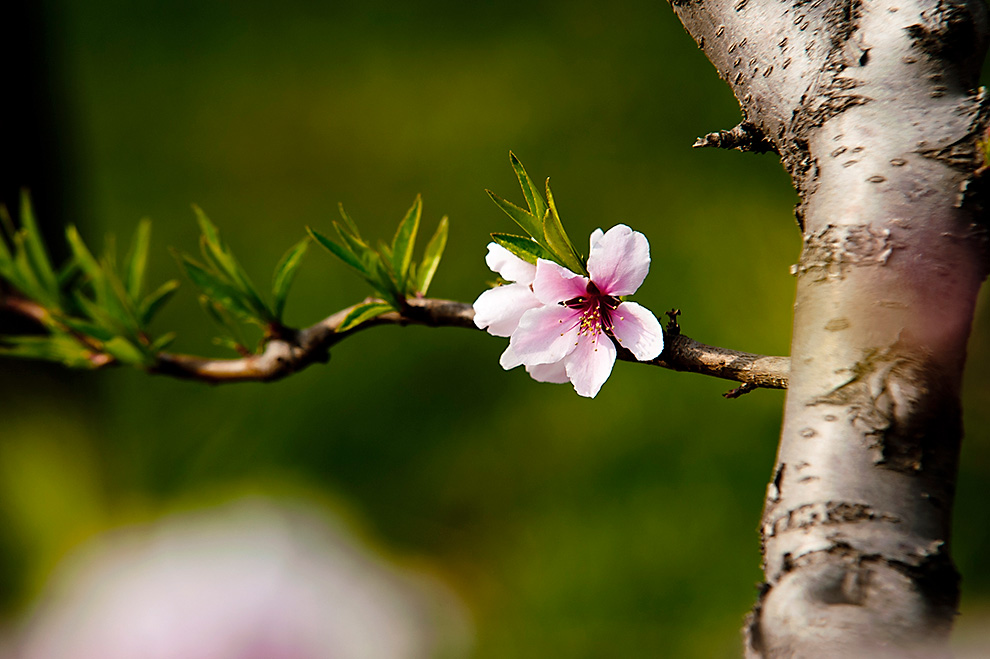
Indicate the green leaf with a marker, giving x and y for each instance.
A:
(153, 303)
(384, 284)
(362, 313)
(137, 259)
(6, 223)
(8, 270)
(70, 270)
(341, 252)
(57, 347)
(126, 352)
(219, 254)
(87, 328)
(232, 344)
(431, 257)
(524, 219)
(26, 278)
(222, 318)
(96, 313)
(116, 300)
(537, 207)
(349, 222)
(525, 248)
(404, 241)
(386, 253)
(162, 342)
(558, 241)
(285, 272)
(37, 254)
(218, 291)
(90, 267)
(360, 249)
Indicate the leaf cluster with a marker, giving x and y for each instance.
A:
(94, 308)
(546, 236)
(227, 293)
(388, 268)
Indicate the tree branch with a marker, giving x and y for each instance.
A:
(297, 349)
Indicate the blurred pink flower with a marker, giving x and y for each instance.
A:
(568, 337)
(251, 580)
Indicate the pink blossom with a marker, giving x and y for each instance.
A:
(500, 308)
(568, 335)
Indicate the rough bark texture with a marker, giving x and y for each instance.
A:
(873, 109)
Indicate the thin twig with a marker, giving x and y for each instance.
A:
(295, 351)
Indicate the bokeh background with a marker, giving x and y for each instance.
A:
(620, 526)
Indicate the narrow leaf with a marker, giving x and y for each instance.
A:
(285, 272)
(137, 259)
(70, 270)
(230, 343)
(58, 347)
(384, 284)
(26, 278)
(404, 241)
(524, 219)
(222, 318)
(431, 257)
(525, 248)
(7, 268)
(96, 313)
(6, 223)
(83, 256)
(218, 291)
(537, 207)
(161, 342)
(386, 253)
(557, 239)
(126, 352)
(37, 254)
(341, 252)
(362, 313)
(87, 328)
(216, 251)
(349, 222)
(117, 301)
(358, 247)
(153, 303)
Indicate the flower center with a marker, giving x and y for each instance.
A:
(596, 311)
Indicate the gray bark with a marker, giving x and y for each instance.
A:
(874, 111)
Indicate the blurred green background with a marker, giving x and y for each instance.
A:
(621, 526)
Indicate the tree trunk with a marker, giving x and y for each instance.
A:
(873, 109)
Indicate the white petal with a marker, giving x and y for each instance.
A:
(596, 235)
(500, 308)
(590, 364)
(555, 373)
(509, 359)
(545, 335)
(509, 266)
(554, 283)
(638, 330)
(619, 260)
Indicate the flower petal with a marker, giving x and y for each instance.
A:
(509, 266)
(545, 335)
(590, 364)
(509, 359)
(554, 283)
(596, 235)
(556, 372)
(500, 308)
(619, 260)
(638, 329)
